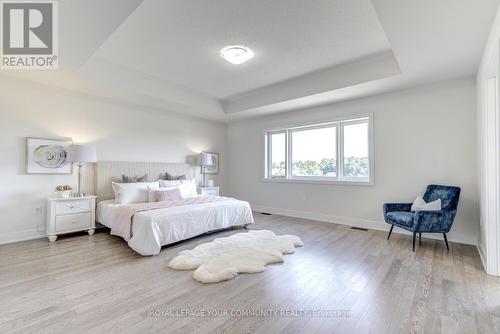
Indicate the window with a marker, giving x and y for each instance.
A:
(336, 151)
(314, 152)
(277, 153)
(355, 142)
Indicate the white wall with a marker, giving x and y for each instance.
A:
(423, 135)
(119, 131)
(488, 154)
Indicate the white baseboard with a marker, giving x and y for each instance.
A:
(11, 237)
(355, 222)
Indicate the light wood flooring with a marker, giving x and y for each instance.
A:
(96, 284)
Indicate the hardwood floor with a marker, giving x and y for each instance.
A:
(96, 284)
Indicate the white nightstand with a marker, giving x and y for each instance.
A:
(66, 215)
(209, 191)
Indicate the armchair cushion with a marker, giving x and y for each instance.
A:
(401, 218)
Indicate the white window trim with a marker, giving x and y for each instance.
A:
(339, 123)
(268, 156)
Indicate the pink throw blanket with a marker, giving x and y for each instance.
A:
(122, 223)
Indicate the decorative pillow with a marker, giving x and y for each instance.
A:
(420, 205)
(170, 177)
(173, 194)
(132, 192)
(128, 179)
(187, 187)
(152, 190)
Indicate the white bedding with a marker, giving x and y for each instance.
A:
(156, 228)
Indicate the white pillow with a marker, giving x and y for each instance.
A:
(132, 192)
(170, 183)
(420, 205)
(187, 187)
(151, 194)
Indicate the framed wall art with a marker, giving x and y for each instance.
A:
(47, 156)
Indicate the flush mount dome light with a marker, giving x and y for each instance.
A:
(236, 54)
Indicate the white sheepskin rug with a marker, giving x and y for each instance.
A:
(223, 258)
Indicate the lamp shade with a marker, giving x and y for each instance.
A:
(82, 153)
(205, 159)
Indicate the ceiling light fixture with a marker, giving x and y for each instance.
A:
(236, 54)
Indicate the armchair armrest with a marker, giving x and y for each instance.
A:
(434, 221)
(401, 207)
(392, 207)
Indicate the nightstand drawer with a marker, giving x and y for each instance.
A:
(73, 222)
(74, 206)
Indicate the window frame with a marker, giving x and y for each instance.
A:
(269, 155)
(339, 124)
(341, 145)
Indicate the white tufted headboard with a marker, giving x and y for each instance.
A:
(111, 171)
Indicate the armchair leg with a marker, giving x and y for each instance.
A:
(414, 236)
(392, 226)
(446, 240)
(419, 238)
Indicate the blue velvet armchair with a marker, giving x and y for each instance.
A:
(400, 214)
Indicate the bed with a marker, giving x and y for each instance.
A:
(153, 229)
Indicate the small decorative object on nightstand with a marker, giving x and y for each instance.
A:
(63, 191)
(209, 191)
(66, 215)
